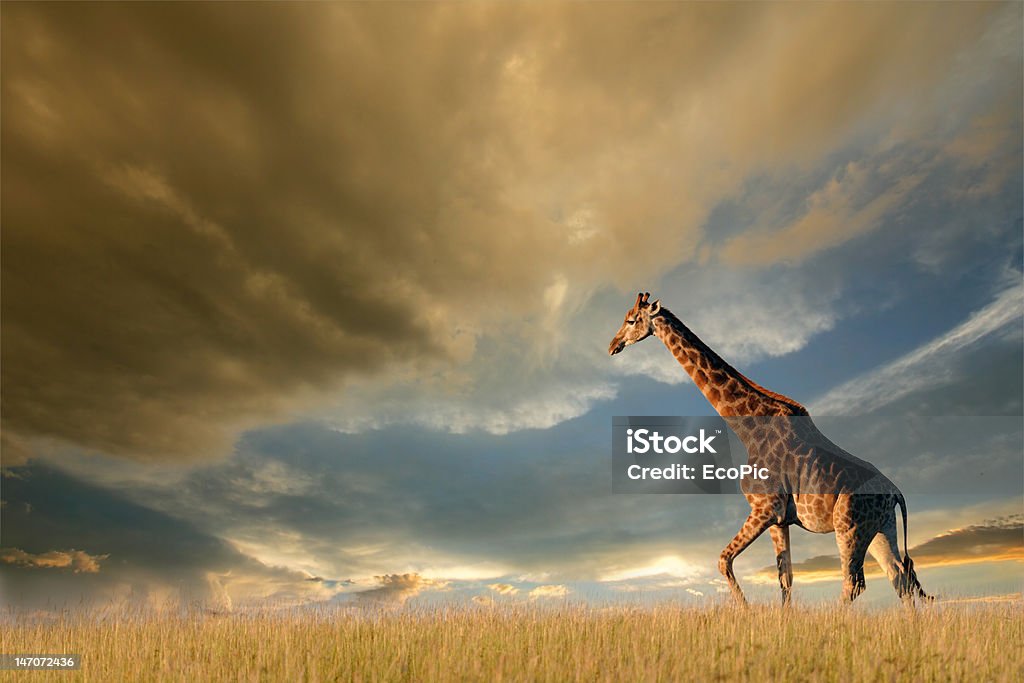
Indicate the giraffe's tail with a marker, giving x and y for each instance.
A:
(912, 583)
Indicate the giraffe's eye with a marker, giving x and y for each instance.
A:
(631, 322)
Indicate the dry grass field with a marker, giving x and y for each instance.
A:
(938, 643)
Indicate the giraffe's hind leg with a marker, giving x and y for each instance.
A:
(780, 539)
(851, 557)
(854, 533)
(758, 520)
(886, 552)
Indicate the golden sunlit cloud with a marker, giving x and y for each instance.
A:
(396, 589)
(552, 591)
(77, 560)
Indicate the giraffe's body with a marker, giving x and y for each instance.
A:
(815, 484)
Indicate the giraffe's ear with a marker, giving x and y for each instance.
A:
(655, 307)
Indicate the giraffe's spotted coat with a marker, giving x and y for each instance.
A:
(818, 486)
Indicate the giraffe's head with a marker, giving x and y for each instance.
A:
(638, 324)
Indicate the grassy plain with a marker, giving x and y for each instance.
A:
(665, 643)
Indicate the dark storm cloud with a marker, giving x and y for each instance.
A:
(134, 321)
(213, 213)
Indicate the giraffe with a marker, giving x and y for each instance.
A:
(815, 484)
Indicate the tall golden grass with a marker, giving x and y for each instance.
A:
(665, 643)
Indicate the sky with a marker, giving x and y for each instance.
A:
(308, 304)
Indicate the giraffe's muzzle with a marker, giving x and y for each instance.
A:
(616, 346)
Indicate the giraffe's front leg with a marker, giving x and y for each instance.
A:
(757, 522)
(780, 539)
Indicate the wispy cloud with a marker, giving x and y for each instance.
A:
(928, 366)
(845, 208)
(501, 413)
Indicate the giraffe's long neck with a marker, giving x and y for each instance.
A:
(729, 392)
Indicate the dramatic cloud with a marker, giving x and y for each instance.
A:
(295, 291)
(234, 211)
(77, 560)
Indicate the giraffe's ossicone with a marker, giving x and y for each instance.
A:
(815, 484)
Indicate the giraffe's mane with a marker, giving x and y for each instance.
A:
(774, 395)
(781, 398)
